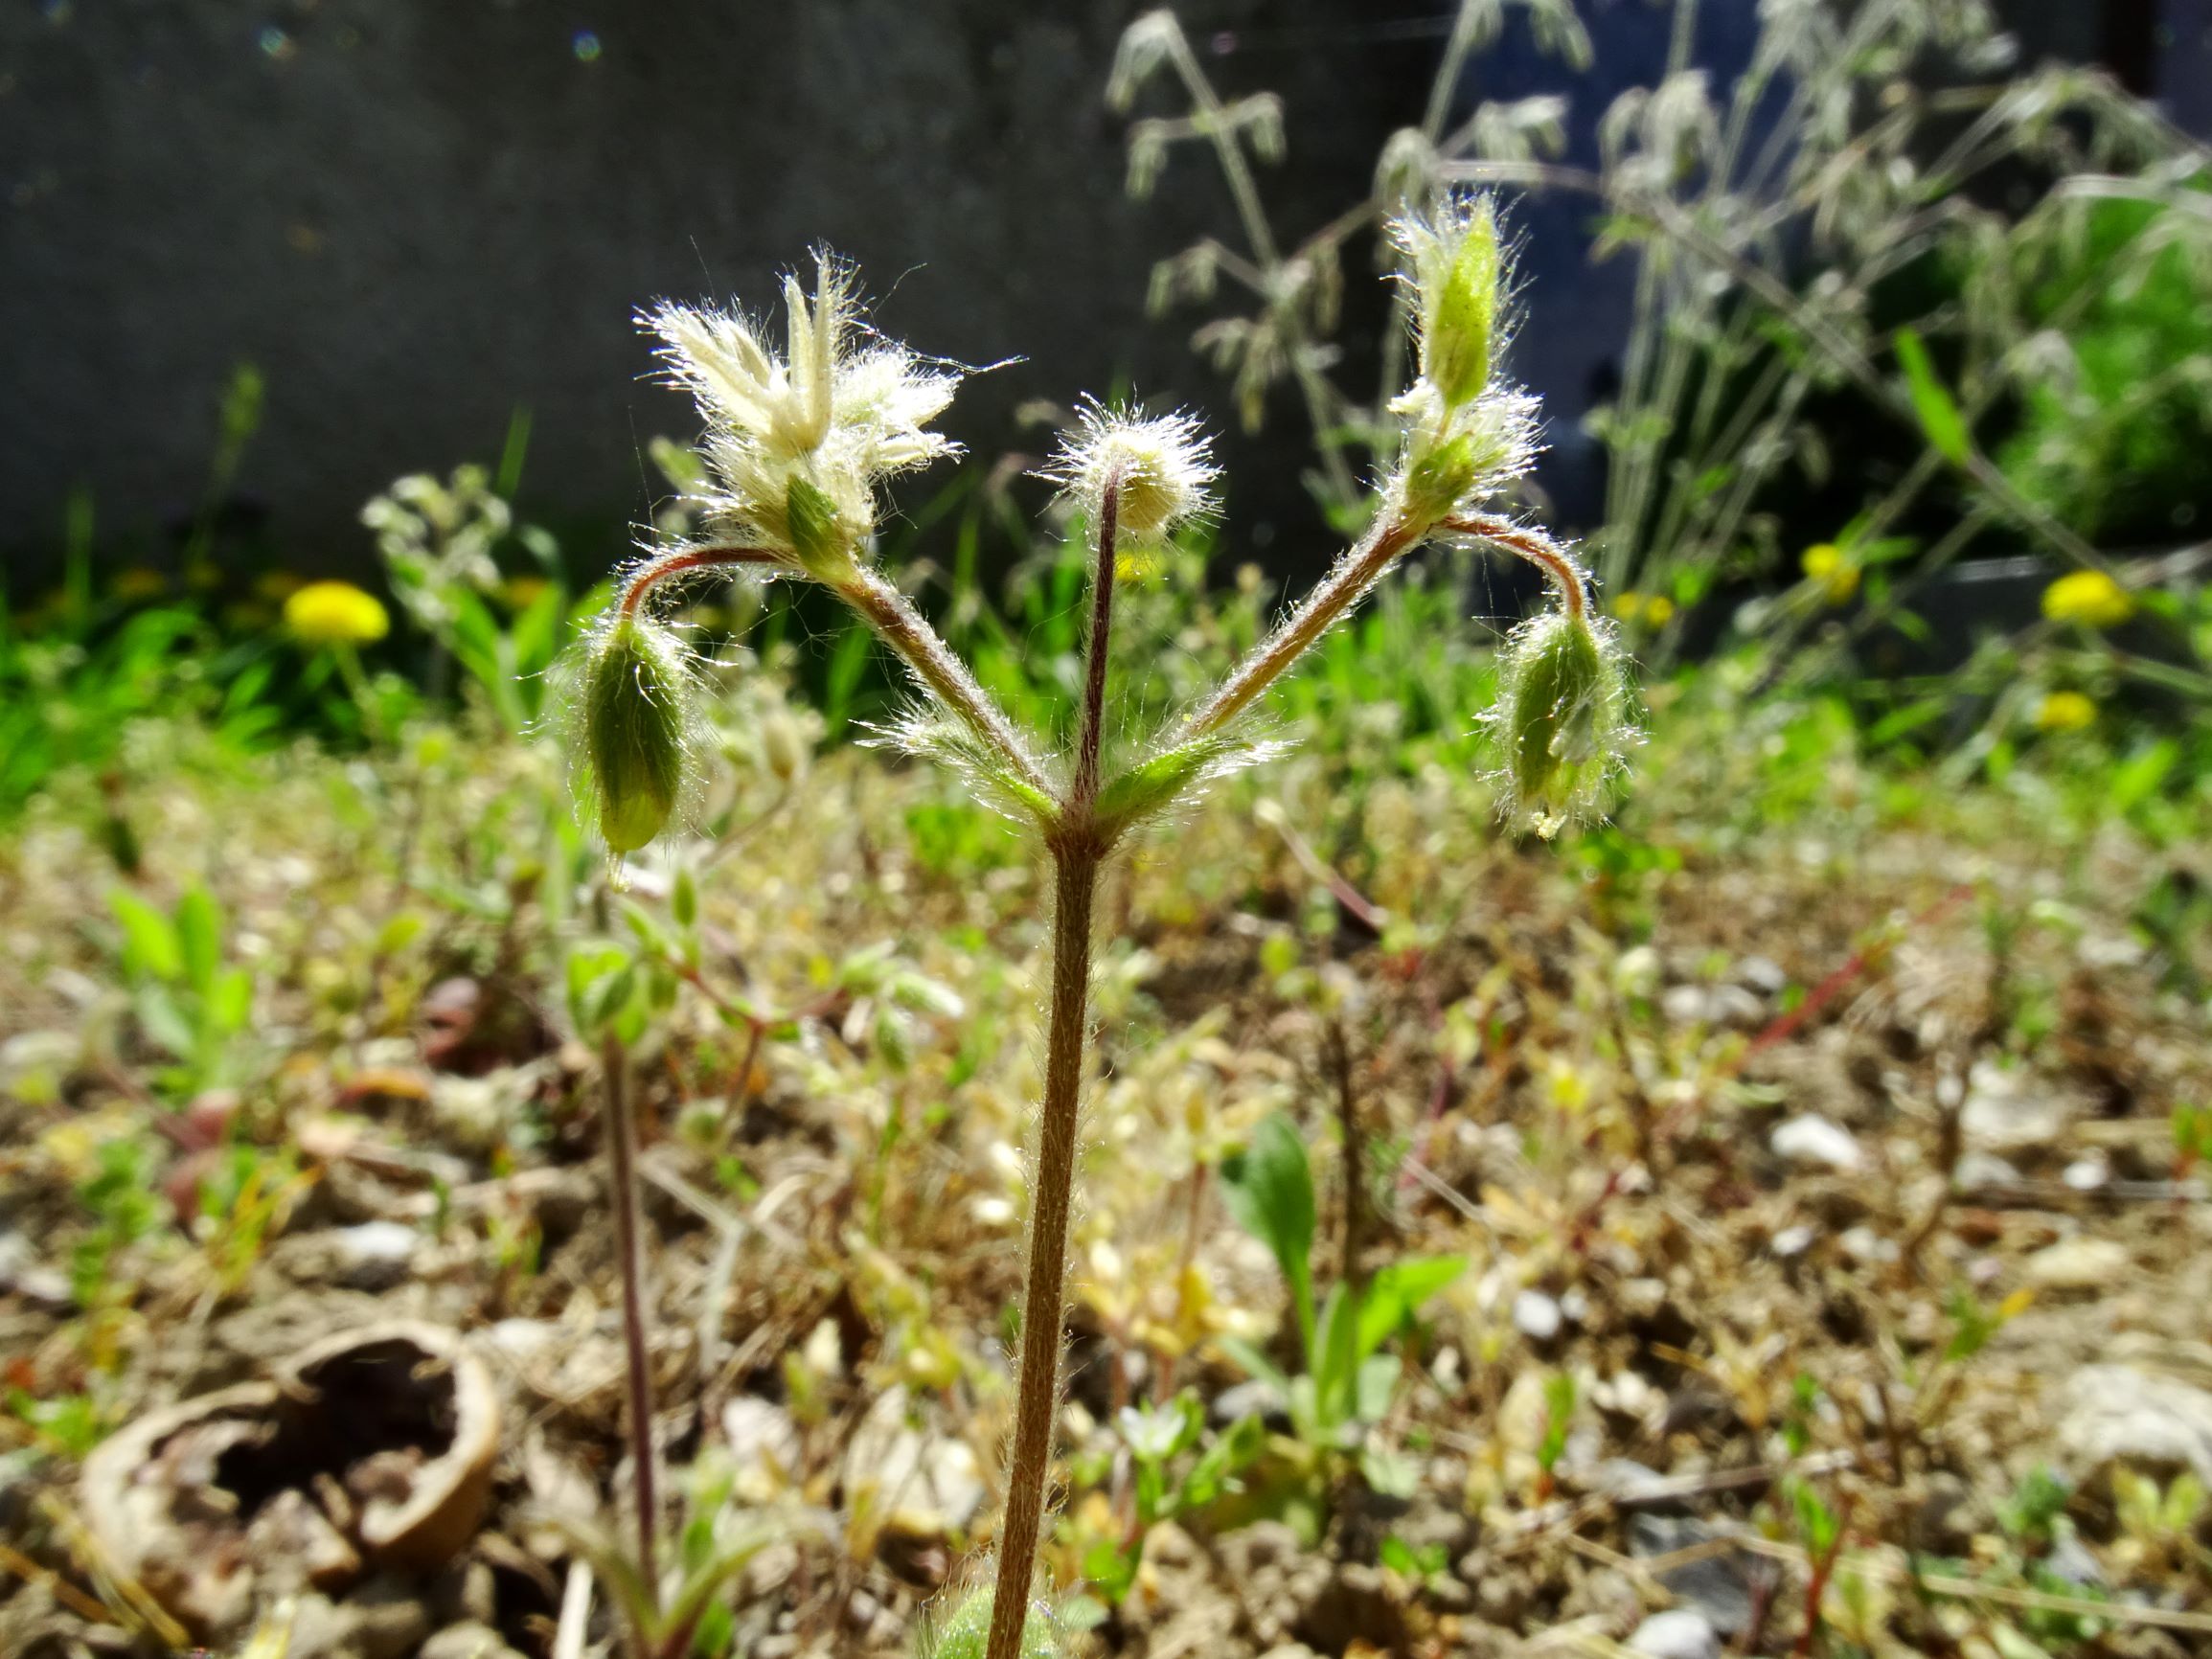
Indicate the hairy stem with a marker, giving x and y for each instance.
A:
(1076, 854)
(1090, 733)
(903, 629)
(679, 560)
(1533, 545)
(629, 1249)
(1337, 592)
(1076, 861)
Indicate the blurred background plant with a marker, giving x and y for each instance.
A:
(1897, 304)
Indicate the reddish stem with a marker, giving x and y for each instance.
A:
(658, 569)
(1533, 545)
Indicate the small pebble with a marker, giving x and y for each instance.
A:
(1536, 1316)
(1811, 1140)
(1676, 1634)
(1793, 1241)
(2077, 1265)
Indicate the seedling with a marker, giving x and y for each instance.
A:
(1348, 1384)
(189, 1004)
(798, 446)
(1174, 1470)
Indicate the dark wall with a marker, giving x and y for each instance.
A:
(413, 214)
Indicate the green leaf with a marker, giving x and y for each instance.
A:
(1379, 1375)
(1153, 785)
(1939, 418)
(536, 636)
(199, 929)
(1388, 1473)
(1397, 1293)
(163, 1022)
(1336, 1361)
(149, 943)
(2136, 779)
(1268, 1188)
(230, 1002)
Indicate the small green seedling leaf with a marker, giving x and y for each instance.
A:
(965, 1632)
(1396, 1294)
(150, 946)
(1268, 1188)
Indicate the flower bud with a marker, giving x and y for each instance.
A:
(1439, 475)
(634, 705)
(1456, 271)
(811, 517)
(1562, 717)
(1160, 466)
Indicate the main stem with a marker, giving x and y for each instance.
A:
(629, 1245)
(1076, 854)
(1075, 881)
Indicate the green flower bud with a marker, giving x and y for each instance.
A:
(634, 711)
(1456, 271)
(1562, 717)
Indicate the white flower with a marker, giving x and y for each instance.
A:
(796, 445)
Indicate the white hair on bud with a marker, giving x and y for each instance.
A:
(1162, 467)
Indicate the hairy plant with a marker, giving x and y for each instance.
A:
(797, 448)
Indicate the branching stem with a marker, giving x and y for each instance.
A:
(1337, 592)
(933, 662)
(679, 560)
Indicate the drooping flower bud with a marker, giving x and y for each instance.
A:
(634, 713)
(1561, 718)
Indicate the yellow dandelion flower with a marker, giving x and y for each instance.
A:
(2064, 712)
(2088, 596)
(1835, 571)
(336, 613)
